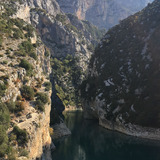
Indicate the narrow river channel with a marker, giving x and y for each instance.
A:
(89, 141)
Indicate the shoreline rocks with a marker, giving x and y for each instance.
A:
(60, 130)
(132, 130)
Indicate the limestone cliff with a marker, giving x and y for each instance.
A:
(122, 87)
(63, 34)
(25, 102)
(102, 13)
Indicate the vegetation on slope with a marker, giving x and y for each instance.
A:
(18, 54)
(67, 76)
(67, 70)
(124, 70)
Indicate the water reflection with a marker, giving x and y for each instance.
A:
(92, 142)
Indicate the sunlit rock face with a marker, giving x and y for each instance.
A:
(29, 119)
(123, 81)
(62, 34)
(102, 13)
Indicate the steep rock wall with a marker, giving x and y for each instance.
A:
(24, 69)
(122, 88)
(63, 34)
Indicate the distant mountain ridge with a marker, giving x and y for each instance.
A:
(102, 13)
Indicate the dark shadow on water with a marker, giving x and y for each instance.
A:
(89, 141)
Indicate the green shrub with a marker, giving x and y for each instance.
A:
(71, 27)
(25, 64)
(15, 106)
(48, 86)
(17, 33)
(19, 98)
(20, 53)
(4, 62)
(19, 106)
(1, 41)
(33, 55)
(41, 100)
(26, 48)
(18, 22)
(43, 97)
(5, 27)
(22, 135)
(4, 124)
(4, 79)
(3, 142)
(39, 105)
(27, 92)
(11, 106)
(29, 29)
(3, 136)
(37, 10)
(9, 11)
(60, 92)
(11, 153)
(47, 53)
(39, 83)
(3, 87)
(12, 137)
(4, 115)
(62, 18)
(23, 152)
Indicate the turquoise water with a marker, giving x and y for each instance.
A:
(89, 141)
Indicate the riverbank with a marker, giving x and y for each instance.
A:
(60, 130)
(132, 130)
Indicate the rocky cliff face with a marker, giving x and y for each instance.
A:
(122, 88)
(63, 34)
(102, 13)
(24, 6)
(25, 102)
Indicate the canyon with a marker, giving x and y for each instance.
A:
(52, 59)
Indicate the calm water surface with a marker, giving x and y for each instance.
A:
(89, 141)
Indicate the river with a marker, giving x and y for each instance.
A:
(89, 141)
